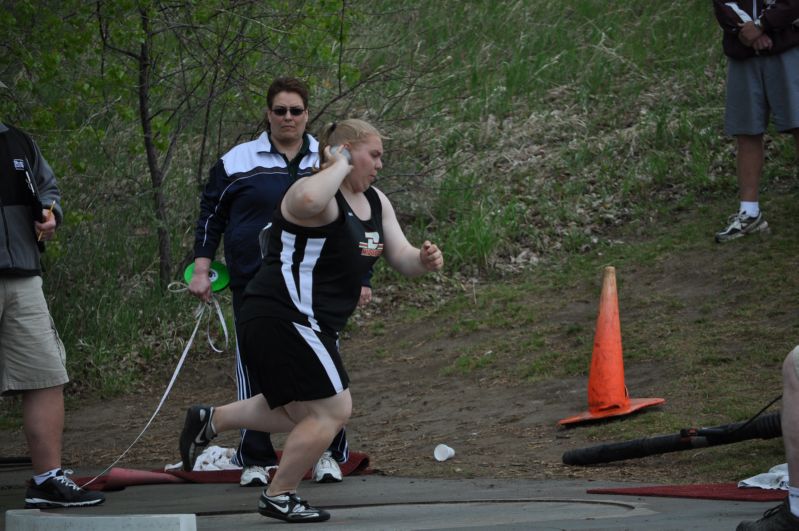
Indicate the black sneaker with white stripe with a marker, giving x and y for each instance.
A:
(740, 225)
(290, 508)
(60, 491)
(197, 433)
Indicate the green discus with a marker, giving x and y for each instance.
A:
(220, 278)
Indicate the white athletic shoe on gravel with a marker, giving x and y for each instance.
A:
(326, 469)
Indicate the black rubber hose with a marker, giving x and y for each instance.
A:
(765, 427)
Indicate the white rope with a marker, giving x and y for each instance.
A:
(199, 313)
(179, 287)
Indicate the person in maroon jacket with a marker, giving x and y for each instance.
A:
(761, 41)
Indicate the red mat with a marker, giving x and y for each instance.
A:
(119, 478)
(707, 491)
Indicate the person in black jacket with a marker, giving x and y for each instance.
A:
(32, 357)
(243, 189)
(761, 41)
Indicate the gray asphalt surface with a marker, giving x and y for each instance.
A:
(399, 503)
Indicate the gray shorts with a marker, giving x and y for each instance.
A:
(759, 87)
(31, 353)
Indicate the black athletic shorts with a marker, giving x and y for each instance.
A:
(291, 361)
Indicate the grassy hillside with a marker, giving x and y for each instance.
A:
(538, 143)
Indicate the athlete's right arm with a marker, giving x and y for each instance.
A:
(311, 200)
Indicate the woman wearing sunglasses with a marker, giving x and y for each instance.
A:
(330, 229)
(243, 189)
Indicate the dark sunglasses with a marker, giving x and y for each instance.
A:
(281, 111)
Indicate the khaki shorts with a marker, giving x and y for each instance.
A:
(31, 353)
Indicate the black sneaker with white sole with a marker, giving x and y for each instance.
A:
(197, 433)
(60, 491)
(739, 225)
(290, 508)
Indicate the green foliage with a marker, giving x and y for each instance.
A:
(473, 224)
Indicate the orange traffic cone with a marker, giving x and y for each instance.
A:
(607, 394)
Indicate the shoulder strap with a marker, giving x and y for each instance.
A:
(343, 206)
(374, 202)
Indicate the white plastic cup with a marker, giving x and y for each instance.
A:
(443, 452)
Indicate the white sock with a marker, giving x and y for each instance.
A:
(793, 500)
(752, 208)
(41, 478)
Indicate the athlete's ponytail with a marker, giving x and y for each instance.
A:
(351, 131)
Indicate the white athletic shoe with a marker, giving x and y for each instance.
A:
(254, 476)
(326, 469)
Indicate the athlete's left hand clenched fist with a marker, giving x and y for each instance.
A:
(431, 256)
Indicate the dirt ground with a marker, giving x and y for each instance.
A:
(402, 410)
(405, 404)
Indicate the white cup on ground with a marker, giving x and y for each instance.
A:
(443, 452)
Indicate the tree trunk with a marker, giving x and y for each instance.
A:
(156, 173)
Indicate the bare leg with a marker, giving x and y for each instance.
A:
(320, 421)
(253, 414)
(43, 423)
(749, 161)
(790, 415)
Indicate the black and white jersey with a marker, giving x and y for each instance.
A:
(313, 275)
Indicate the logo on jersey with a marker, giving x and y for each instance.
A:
(19, 164)
(372, 245)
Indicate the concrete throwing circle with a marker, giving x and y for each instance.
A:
(508, 514)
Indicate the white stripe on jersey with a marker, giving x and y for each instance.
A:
(302, 297)
(321, 353)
